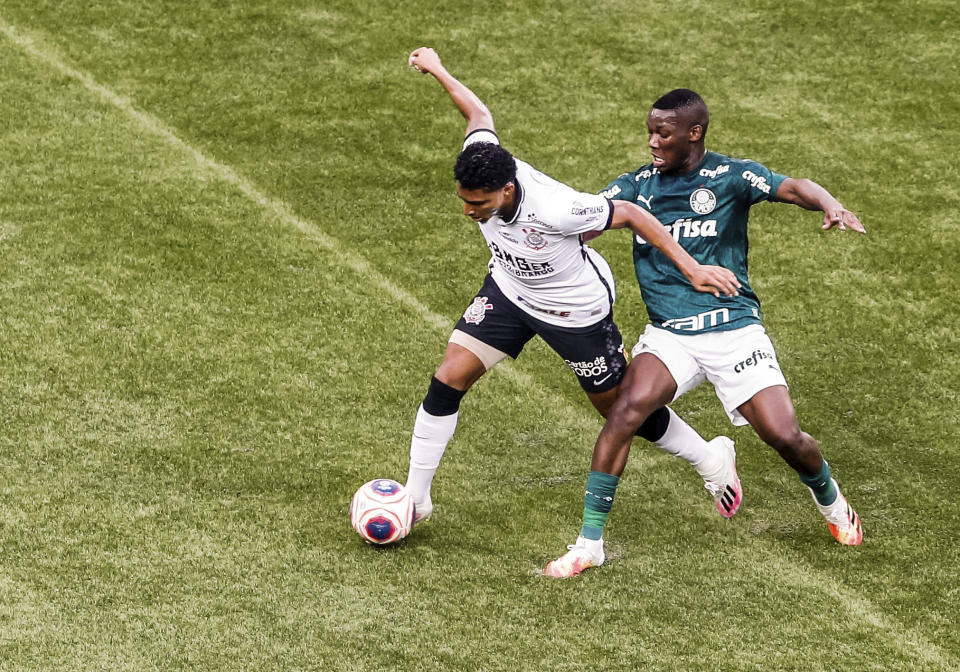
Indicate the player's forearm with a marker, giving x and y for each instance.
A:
(807, 194)
(680, 258)
(470, 106)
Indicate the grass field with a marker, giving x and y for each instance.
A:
(231, 254)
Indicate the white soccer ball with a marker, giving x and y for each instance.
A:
(381, 511)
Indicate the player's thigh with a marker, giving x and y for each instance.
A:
(676, 357)
(594, 353)
(740, 363)
(492, 327)
(647, 386)
(772, 415)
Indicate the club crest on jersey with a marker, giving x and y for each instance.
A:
(477, 310)
(534, 239)
(703, 201)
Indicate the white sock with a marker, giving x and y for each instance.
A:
(431, 434)
(681, 440)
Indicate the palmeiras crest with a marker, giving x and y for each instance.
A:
(703, 201)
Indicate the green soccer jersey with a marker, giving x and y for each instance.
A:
(706, 211)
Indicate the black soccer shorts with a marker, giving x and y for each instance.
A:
(594, 353)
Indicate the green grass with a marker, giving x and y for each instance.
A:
(231, 253)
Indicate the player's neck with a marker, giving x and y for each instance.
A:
(693, 161)
(509, 209)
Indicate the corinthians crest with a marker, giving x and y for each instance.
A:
(477, 310)
(534, 239)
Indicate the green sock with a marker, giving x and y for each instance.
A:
(822, 485)
(597, 503)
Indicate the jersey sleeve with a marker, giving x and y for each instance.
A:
(623, 188)
(757, 182)
(480, 135)
(583, 212)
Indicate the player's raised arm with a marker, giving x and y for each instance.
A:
(425, 60)
(710, 279)
(811, 196)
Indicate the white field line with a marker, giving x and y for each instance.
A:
(858, 607)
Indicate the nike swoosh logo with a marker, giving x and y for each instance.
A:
(598, 382)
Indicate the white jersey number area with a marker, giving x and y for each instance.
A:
(537, 258)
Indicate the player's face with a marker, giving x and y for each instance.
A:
(480, 205)
(672, 140)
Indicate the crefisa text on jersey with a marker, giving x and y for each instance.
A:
(688, 228)
(756, 181)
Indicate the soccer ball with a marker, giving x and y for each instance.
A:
(381, 511)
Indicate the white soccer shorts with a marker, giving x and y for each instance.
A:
(739, 363)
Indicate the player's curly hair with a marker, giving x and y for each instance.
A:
(486, 166)
(685, 99)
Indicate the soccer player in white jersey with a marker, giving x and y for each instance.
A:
(703, 199)
(545, 281)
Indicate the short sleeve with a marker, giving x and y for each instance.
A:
(623, 188)
(481, 135)
(586, 212)
(757, 182)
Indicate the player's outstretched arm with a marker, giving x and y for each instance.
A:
(425, 60)
(811, 196)
(709, 279)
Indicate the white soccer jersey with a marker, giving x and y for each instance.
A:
(538, 260)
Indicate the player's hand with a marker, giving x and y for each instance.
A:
(715, 280)
(424, 59)
(841, 218)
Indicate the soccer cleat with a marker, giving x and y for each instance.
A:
(422, 510)
(725, 485)
(582, 555)
(843, 521)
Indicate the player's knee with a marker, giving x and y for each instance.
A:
(442, 399)
(655, 426)
(787, 441)
(630, 410)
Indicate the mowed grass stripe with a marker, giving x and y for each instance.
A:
(37, 48)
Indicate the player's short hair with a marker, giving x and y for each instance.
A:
(688, 101)
(486, 166)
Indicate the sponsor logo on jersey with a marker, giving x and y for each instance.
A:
(531, 218)
(710, 318)
(477, 310)
(546, 311)
(703, 201)
(520, 267)
(534, 239)
(687, 228)
(756, 181)
(612, 191)
(716, 172)
(646, 174)
(693, 228)
(753, 360)
(588, 369)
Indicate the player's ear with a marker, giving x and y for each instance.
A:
(696, 133)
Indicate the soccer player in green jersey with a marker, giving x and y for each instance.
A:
(703, 199)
